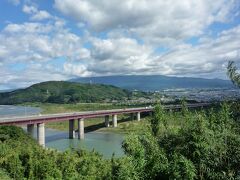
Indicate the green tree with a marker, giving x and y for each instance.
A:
(158, 119)
(206, 147)
(233, 73)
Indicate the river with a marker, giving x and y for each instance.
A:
(103, 143)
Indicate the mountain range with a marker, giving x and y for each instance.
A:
(155, 82)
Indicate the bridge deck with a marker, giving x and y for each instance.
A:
(85, 114)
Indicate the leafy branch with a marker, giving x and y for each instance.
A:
(233, 74)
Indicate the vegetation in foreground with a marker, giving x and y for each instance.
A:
(233, 73)
(203, 145)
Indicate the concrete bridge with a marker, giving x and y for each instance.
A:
(80, 117)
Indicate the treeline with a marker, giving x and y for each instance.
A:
(66, 92)
(201, 145)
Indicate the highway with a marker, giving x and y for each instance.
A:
(34, 119)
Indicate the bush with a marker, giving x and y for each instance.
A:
(21, 157)
(205, 146)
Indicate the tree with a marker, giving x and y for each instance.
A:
(233, 73)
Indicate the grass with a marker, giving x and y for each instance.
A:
(3, 175)
(49, 108)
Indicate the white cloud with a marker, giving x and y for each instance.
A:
(28, 28)
(36, 15)
(121, 55)
(112, 56)
(209, 57)
(33, 74)
(41, 15)
(118, 56)
(37, 45)
(160, 22)
(29, 9)
(131, 32)
(36, 41)
(76, 69)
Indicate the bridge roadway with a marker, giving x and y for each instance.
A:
(40, 120)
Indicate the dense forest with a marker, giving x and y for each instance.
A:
(66, 92)
(201, 145)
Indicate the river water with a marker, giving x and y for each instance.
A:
(103, 143)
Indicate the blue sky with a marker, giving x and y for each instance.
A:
(45, 40)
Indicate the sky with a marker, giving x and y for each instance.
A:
(42, 40)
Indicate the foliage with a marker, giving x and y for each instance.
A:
(123, 169)
(64, 92)
(206, 146)
(3, 175)
(157, 119)
(233, 73)
(21, 157)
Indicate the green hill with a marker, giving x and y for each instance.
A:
(64, 92)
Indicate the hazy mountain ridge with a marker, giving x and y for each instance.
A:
(155, 82)
(7, 90)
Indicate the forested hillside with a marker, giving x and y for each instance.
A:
(64, 92)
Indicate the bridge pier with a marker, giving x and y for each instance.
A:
(138, 116)
(107, 120)
(30, 129)
(151, 113)
(132, 116)
(114, 120)
(71, 129)
(81, 128)
(41, 134)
